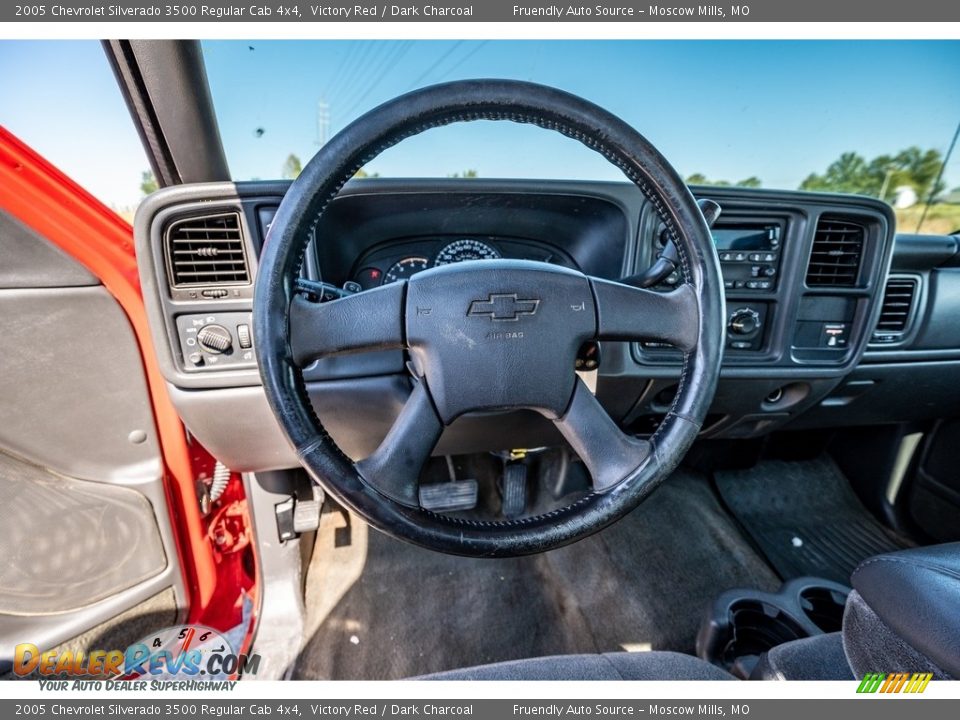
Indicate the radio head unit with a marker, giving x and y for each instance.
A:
(749, 255)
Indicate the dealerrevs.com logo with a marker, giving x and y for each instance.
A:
(192, 652)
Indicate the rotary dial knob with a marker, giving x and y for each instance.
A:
(215, 338)
(744, 321)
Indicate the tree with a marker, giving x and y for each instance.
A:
(881, 176)
(148, 182)
(700, 179)
(468, 174)
(292, 167)
(362, 173)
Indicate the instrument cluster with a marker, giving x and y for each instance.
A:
(402, 259)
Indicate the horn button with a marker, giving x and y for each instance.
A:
(498, 334)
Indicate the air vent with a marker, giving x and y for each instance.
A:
(897, 307)
(207, 250)
(835, 258)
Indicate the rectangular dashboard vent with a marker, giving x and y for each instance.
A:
(898, 297)
(207, 250)
(836, 253)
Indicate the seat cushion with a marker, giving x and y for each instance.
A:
(609, 666)
(915, 594)
(820, 657)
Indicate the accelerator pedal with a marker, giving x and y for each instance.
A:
(449, 496)
(514, 489)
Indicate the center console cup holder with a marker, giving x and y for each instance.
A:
(742, 624)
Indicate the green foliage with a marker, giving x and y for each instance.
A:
(148, 182)
(881, 176)
(362, 173)
(292, 167)
(467, 174)
(700, 179)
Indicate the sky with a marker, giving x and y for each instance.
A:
(778, 110)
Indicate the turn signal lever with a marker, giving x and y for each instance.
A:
(667, 259)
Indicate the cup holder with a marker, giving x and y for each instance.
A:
(756, 627)
(824, 606)
(741, 625)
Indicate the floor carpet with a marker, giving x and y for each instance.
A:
(381, 609)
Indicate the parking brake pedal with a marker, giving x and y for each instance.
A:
(449, 496)
(514, 489)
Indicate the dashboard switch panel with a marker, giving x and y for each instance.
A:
(215, 341)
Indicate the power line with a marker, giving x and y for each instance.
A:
(466, 57)
(341, 67)
(433, 67)
(389, 63)
(352, 72)
(943, 167)
(367, 75)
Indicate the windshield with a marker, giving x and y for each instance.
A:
(875, 118)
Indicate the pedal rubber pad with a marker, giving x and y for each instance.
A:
(514, 490)
(306, 513)
(449, 496)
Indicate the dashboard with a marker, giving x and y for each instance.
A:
(825, 316)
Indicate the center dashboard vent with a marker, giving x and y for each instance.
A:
(837, 250)
(898, 298)
(207, 250)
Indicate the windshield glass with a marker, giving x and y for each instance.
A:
(869, 117)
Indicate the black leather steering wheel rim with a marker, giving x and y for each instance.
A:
(293, 227)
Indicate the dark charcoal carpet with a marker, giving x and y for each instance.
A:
(805, 518)
(382, 609)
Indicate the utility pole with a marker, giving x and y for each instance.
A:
(323, 123)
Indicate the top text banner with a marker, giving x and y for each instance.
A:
(483, 11)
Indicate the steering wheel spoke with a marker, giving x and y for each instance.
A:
(370, 320)
(609, 454)
(625, 312)
(395, 466)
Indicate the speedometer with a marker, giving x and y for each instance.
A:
(404, 269)
(465, 249)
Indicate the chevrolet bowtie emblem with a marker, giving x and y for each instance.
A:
(504, 307)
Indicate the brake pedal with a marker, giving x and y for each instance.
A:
(449, 496)
(514, 489)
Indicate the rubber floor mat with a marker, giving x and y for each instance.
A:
(805, 518)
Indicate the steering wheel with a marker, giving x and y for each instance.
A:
(488, 335)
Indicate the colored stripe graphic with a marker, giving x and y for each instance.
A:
(894, 683)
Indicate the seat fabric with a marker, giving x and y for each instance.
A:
(608, 666)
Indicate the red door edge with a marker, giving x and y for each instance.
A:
(47, 201)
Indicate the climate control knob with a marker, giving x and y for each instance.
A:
(744, 322)
(215, 338)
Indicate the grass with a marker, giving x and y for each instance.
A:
(941, 219)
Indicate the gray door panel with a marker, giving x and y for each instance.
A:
(87, 541)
